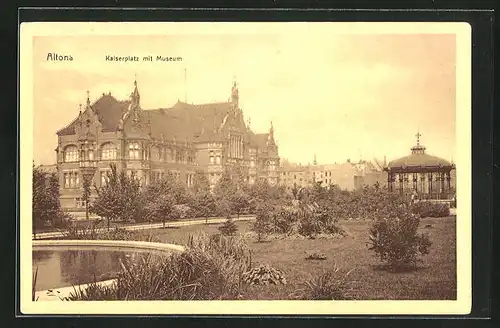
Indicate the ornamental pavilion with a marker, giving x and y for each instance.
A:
(429, 176)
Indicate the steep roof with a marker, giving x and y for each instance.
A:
(195, 122)
(183, 121)
(108, 109)
(259, 139)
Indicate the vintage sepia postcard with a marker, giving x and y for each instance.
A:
(245, 168)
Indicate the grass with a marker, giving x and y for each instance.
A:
(435, 278)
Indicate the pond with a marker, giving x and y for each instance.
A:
(69, 267)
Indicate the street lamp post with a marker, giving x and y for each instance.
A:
(88, 169)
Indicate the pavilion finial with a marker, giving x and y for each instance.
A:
(418, 135)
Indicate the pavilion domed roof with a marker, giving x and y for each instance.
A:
(418, 158)
(424, 160)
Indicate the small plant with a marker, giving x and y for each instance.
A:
(229, 228)
(315, 256)
(264, 275)
(396, 242)
(329, 285)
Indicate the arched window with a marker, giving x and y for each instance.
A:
(71, 154)
(108, 151)
(133, 150)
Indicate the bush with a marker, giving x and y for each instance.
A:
(182, 212)
(395, 240)
(329, 285)
(62, 221)
(316, 219)
(285, 219)
(117, 234)
(229, 228)
(80, 231)
(429, 209)
(309, 227)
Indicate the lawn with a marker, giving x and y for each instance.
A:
(435, 278)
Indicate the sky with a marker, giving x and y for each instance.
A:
(360, 96)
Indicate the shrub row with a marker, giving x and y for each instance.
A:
(300, 218)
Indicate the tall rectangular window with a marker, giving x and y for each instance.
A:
(133, 151)
(108, 151)
(71, 180)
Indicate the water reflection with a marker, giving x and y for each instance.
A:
(71, 267)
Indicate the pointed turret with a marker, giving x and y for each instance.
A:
(270, 139)
(235, 98)
(88, 99)
(135, 97)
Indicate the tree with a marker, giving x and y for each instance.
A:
(204, 203)
(229, 228)
(225, 187)
(262, 224)
(161, 208)
(200, 181)
(119, 198)
(45, 198)
(239, 201)
(223, 207)
(170, 185)
(238, 177)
